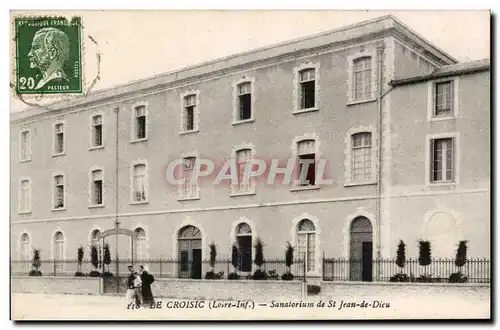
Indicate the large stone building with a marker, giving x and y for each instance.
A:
(403, 127)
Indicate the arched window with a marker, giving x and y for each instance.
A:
(306, 243)
(59, 250)
(244, 241)
(140, 245)
(95, 237)
(25, 252)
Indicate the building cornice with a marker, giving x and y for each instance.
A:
(350, 35)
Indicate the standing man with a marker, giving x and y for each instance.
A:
(130, 295)
(147, 280)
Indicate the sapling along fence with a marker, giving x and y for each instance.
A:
(477, 270)
(160, 268)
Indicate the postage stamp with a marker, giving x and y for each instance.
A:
(48, 55)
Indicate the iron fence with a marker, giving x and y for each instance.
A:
(477, 270)
(159, 268)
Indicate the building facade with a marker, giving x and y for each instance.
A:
(403, 129)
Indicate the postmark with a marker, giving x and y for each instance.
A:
(48, 55)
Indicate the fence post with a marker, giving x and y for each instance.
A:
(55, 267)
(161, 264)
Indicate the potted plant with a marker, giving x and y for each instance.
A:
(94, 260)
(460, 261)
(210, 275)
(288, 276)
(106, 259)
(234, 261)
(79, 254)
(424, 259)
(259, 261)
(400, 262)
(36, 263)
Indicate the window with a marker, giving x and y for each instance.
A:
(244, 241)
(242, 159)
(96, 190)
(58, 251)
(306, 158)
(58, 192)
(245, 101)
(361, 168)
(140, 122)
(25, 252)
(139, 183)
(59, 139)
(189, 112)
(140, 245)
(25, 152)
(25, 196)
(442, 160)
(362, 78)
(306, 246)
(95, 241)
(443, 99)
(307, 79)
(190, 185)
(97, 131)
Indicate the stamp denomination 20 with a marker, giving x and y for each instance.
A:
(48, 55)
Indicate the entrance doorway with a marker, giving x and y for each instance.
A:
(244, 240)
(361, 250)
(189, 242)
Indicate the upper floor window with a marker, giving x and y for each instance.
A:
(189, 112)
(442, 160)
(140, 122)
(96, 191)
(443, 99)
(59, 139)
(245, 101)
(25, 196)
(58, 192)
(307, 80)
(25, 152)
(306, 153)
(362, 78)
(139, 189)
(189, 188)
(97, 131)
(361, 156)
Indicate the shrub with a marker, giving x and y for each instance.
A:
(273, 275)
(425, 279)
(287, 277)
(235, 256)
(313, 289)
(288, 261)
(233, 276)
(401, 255)
(457, 277)
(79, 254)
(211, 275)
(424, 256)
(36, 263)
(259, 253)
(107, 256)
(79, 274)
(107, 274)
(259, 275)
(400, 278)
(94, 256)
(94, 273)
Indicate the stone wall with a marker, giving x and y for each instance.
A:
(59, 284)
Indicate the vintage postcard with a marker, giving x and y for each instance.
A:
(250, 165)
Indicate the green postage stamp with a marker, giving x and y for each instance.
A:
(48, 55)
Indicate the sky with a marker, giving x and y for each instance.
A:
(140, 44)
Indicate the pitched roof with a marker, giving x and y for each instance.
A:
(447, 71)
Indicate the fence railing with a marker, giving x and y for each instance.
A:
(160, 268)
(477, 270)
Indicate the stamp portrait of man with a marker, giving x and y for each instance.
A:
(49, 51)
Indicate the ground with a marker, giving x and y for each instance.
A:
(471, 304)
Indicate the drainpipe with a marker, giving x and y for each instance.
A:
(117, 222)
(380, 94)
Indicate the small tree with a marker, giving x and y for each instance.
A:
(235, 256)
(288, 262)
(401, 255)
(213, 255)
(259, 253)
(94, 257)
(36, 263)
(79, 255)
(461, 258)
(460, 261)
(424, 257)
(107, 256)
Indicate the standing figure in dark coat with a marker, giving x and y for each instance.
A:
(147, 280)
(131, 296)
